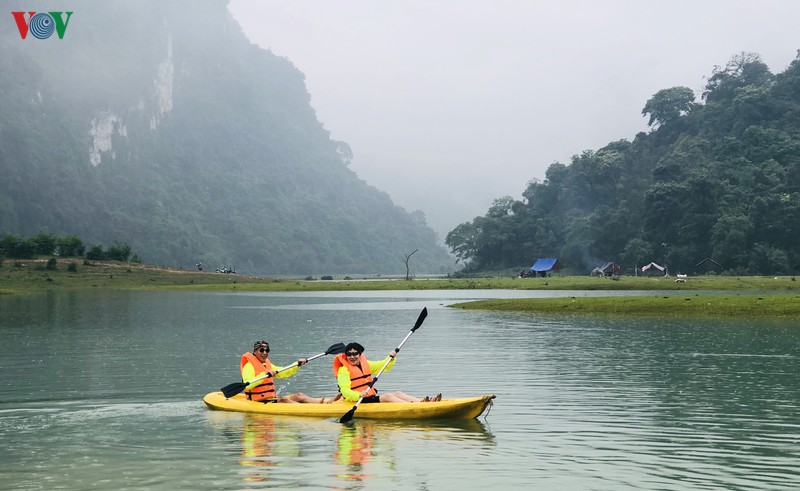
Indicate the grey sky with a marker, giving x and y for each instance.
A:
(451, 104)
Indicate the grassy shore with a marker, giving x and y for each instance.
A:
(33, 276)
(751, 295)
(693, 305)
(28, 276)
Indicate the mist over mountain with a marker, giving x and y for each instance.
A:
(160, 124)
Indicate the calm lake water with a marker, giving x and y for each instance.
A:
(102, 390)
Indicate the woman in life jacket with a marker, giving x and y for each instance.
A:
(257, 364)
(354, 373)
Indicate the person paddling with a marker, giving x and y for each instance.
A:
(354, 373)
(257, 364)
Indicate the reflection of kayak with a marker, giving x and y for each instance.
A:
(470, 407)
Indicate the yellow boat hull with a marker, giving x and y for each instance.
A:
(466, 408)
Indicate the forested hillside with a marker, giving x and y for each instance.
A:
(159, 124)
(714, 178)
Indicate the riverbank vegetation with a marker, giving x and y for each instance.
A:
(750, 295)
(70, 246)
(42, 274)
(691, 305)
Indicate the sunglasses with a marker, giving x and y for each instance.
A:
(263, 350)
(352, 353)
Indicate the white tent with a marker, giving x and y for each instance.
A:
(654, 265)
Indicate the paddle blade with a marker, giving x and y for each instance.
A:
(335, 349)
(420, 319)
(231, 390)
(348, 416)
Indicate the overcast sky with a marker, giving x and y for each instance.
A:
(450, 104)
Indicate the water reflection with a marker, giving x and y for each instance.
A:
(354, 451)
(368, 448)
(363, 454)
(257, 447)
(371, 453)
(260, 444)
(373, 450)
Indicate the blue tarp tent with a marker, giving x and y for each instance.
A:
(543, 265)
(546, 264)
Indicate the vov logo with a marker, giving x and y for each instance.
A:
(43, 24)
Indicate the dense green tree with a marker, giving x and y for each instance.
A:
(501, 207)
(8, 243)
(743, 70)
(719, 179)
(14, 246)
(70, 246)
(96, 253)
(768, 260)
(668, 105)
(118, 251)
(45, 243)
(579, 247)
(463, 241)
(637, 253)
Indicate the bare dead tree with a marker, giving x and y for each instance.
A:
(408, 277)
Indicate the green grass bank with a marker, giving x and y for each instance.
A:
(694, 305)
(31, 276)
(750, 295)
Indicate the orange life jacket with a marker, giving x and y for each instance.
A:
(360, 375)
(264, 390)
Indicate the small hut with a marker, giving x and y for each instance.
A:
(607, 269)
(707, 265)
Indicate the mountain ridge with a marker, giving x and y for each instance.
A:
(167, 128)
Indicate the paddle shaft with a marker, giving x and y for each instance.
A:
(396, 350)
(349, 414)
(421, 318)
(285, 368)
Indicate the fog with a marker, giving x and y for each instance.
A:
(451, 104)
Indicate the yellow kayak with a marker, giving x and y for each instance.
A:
(468, 408)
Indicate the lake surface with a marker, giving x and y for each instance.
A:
(102, 390)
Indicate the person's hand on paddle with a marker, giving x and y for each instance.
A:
(301, 361)
(392, 354)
